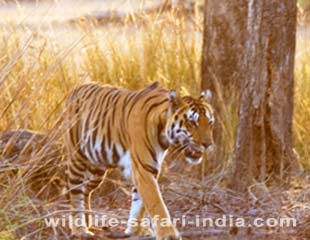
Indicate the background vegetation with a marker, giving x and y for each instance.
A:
(40, 65)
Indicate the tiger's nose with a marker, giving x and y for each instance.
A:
(206, 144)
(208, 147)
(211, 148)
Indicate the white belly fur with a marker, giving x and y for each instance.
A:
(125, 163)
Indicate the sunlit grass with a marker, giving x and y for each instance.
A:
(302, 102)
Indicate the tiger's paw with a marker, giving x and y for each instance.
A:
(139, 231)
(172, 238)
(169, 233)
(82, 232)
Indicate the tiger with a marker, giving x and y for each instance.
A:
(110, 127)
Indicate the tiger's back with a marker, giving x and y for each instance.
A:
(103, 121)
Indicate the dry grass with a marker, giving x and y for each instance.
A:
(302, 99)
(38, 68)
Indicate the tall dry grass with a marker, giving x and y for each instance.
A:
(302, 98)
(39, 67)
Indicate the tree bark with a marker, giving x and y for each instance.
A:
(221, 65)
(251, 45)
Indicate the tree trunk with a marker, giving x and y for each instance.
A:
(222, 66)
(251, 44)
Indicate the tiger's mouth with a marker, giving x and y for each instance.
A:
(193, 154)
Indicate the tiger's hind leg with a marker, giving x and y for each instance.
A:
(96, 179)
(77, 196)
(81, 183)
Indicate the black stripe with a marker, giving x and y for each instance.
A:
(153, 85)
(102, 105)
(76, 191)
(108, 134)
(96, 171)
(148, 167)
(103, 152)
(88, 93)
(89, 149)
(75, 181)
(94, 116)
(115, 156)
(109, 100)
(160, 128)
(181, 124)
(78, 152)
(105, 108)
(94, 134)
(92, 103)
(151, 169)
(124, 125)
(75, 173)
(76, 105)
(152, 98)
(127, 100)
(97, 153)
(108, 122)
(142, 93)
(151, 108)
(81, 158)
(93, 184)
(150, 150)
(148, 142)
(130, 110)
(79, 165)
(138, 96)
(115, 100)
(72, 139)
(121, 142)
(86, 123)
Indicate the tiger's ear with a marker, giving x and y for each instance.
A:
(174, 101)
(206, 95)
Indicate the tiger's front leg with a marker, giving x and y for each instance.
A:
(135, 226)
(150, 194)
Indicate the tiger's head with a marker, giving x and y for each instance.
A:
(190, 124)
